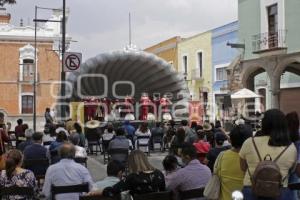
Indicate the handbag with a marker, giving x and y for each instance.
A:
(213, 187)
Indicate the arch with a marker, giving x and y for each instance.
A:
(282, 65)
(250, 72)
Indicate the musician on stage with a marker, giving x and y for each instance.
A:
(144, 102)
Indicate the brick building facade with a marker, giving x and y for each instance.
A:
(17, 68)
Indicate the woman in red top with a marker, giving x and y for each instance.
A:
(3, 138)
(201, 145)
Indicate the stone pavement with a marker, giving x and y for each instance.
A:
(98, 169)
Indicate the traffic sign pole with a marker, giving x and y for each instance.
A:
(72, 61)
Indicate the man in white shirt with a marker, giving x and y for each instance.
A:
(66, 172)
(80, 151)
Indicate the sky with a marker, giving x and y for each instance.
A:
(100, 26)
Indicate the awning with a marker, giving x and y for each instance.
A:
(244, 94)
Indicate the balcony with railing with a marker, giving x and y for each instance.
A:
(268, 41)
(27, 78)
(196, 75)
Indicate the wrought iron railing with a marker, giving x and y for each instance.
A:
(269, 41)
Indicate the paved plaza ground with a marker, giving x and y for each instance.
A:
(97, 167)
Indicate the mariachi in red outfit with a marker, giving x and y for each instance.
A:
(144, 103)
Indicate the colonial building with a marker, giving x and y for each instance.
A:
(270, 58)
(17, 64)
(167, 50)
(194, 62)
(222, 56)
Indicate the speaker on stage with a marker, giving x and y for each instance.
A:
(227, 101)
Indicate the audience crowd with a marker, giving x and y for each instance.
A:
(197, 154)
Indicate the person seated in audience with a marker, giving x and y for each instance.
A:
(78, 130)
(169, 133)
(66, 172)
(119, 142)
(60, 139)
(218, 127)
(209, 134)
(114, 170)
(49, 136)
(25, 127)
(213, 153)
(61, 128)
(177, 143)
(190, 133)
(143, 130)
(129, 130)
(228, 165)
(15, 175)
(193, 175)
(157, 134)
(69, 125)
(109, 133)
(54, 146)
(80, 151)
(170, 164)
(276, 140)
(107, 136)
(201, 146)
(36, 151)
(24, 144)
(143, 178)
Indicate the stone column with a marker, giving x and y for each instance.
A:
(275, 91)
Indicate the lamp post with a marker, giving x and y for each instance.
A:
(35, 57)
(63, 50)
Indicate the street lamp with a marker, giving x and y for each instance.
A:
(35, 53)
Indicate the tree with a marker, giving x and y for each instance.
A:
(2, 2)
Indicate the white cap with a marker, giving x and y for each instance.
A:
(29, 132)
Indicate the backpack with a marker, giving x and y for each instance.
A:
(266, 179)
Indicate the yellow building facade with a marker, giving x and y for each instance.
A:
(195, 63)
(167, 50)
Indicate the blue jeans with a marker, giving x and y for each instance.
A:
(286, 194)
(294, 179)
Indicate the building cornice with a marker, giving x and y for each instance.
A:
(226, 30)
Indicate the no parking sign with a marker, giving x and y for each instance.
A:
(72, 61)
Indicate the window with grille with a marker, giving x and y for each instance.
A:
(221, 74)
(27, 104)
(273, 25)
(185, 60)
(28, 69)
(200, 63)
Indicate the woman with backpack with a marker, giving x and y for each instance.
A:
(267, 160)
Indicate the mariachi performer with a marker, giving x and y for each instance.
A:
(88, 110)
(107, 102)
(144, 103)
(165, 103)
(156, 102)
(99, 115)
(165, 108)
(129, 104)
